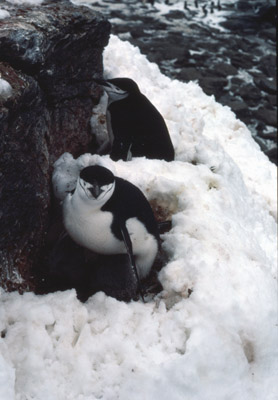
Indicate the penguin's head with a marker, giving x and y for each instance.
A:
(96, 184)
(118, 88)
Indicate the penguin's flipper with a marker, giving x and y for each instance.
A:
(128, 246)
(129, 154)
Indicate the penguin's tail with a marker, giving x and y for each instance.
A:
(164, 226)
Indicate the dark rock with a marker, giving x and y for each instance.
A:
(212, 85)
(242, 60)
(247, 46)
(24, 159)
(185, 60)
(158, 25)
(244, 23)
(175, 14)
(211, 46)
(40, 44)
(235, 81)
(267, 85)
(256, 73)
(155, 56)
(272, 100)
(268, 135)
(224, 69)
(201, 59)
(252, 102)
(260, 127)
(172, 52)
(268, 65)
(49, 55)
(251, 17)
(272, 154)
(137, 33)
(269, 33)
(189, 74)
(244, 5)
(269, 117)
(267, 14)
(239, 107)
(249, 92)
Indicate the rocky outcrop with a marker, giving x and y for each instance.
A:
(49, 56)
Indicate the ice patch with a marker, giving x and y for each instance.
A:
(4, 14)
(31, 2)
(5, 89)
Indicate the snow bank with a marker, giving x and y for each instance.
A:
(31, 2)
(4, 14)
(218, 343)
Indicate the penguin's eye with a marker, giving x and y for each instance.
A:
(117, 90)
(83, 183)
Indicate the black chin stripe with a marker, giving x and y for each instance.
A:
(109, 189)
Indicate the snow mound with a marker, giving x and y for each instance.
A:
(5, 88)
(212, 332)
(4, 14)
(31, 2)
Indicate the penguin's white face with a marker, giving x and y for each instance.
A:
(114, 92)
(94, 193)
(94, 187)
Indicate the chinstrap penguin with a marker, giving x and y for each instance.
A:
(135, 127)
(109, 215)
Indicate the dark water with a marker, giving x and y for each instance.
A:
(231, 52)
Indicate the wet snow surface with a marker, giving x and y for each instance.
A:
(211, 334)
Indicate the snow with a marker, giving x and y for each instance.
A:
(218, 343)
(4, 14)
(5, 89)
(31, 2)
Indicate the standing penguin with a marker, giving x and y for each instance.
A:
(135, 126)
(109, 215)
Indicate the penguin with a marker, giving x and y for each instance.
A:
(135, 126)
(109, 215)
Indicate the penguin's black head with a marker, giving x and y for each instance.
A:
(118, 88)
(126, 84)
(97, 182)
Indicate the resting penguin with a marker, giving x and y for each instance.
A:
(109, 215)
(135, 126)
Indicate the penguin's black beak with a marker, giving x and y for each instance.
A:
(95, 190)
(101, 82)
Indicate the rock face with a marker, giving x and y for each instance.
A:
(48, 55)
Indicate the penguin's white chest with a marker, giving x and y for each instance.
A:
(91, 228)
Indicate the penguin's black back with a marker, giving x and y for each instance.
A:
(127, 202)
(137, 123)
